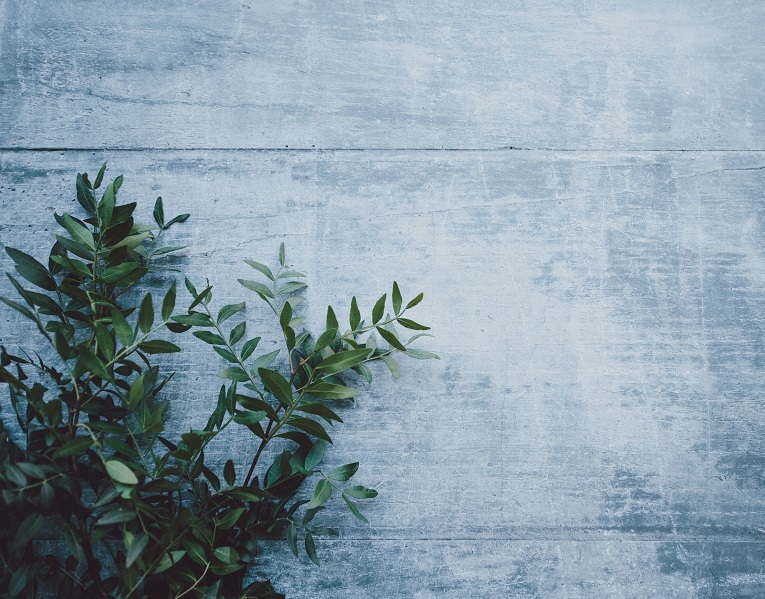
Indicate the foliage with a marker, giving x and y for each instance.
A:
(87, 463)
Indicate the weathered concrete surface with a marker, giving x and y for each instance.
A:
(596, 427)
(634, 74)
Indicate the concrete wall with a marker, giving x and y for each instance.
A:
(577, 187)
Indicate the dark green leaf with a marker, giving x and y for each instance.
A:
(257, 287)
(310, 548)
(75, 446)
(343, 473)
(230, 518)
(415, 301)
(229, 473)
(106, 206)
(202, 297)
(359, 492)
(85, 195)
(168, 304)
(117, 273)
(286, 316)
(277, 385)
(309, 426)
(391, 339)
(31, 269)
(331, 391)
(377, 311)
(99, 176)
(237, 333)
(265, 360)
(228, 555)
(181, 218)
(137, 546)
(117, 516)
(159, 213)
(88, 362)
(196, 319)
(158, 346)
(281, 254)
(27, 530)
(354, 510)
(355, 315)
(19, 308)
(146, 314)
(325, 339)
(332, 323)
(249, 347)
(319, 409)
(118, 183)
(209, 337)
(226, 354)
(77, 229)
(410, 324)
(315, 455)
(396, 298)
(228, 311)
(291, 287)
(292, 538)
(262, 268)
(342, 361)
(249, 417)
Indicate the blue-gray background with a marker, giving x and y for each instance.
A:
(577, 187)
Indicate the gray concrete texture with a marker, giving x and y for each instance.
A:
(577, 187)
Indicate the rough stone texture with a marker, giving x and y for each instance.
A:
(595, 427)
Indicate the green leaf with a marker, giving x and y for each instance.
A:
(325, 339)
(159, 213)
(319, 409)
(415, 301)
(277, 385)
(117, 273)
(19, 308)
(249, 347)
(286, 316)
(392, 365)
(249, 417)
(77, 229)
(228, 311)
(169, 249)
(228, 555)
(257, 287)
(137, 390)
(332, 323)
(343, 473)
(137, 546)
(235, 374)
(27, 530)
(355, 315)
(121, 327)
(292, 538)
(120, 473)
(237, 333)
(310, 548)
(421, 354)
(396, 298)
(202, 297)
(331, 391)
(209, 337)
(31, 269)
(168, 304)
(146, 314)
(290, 287)
(229, 473)
(377, 311)
(158, 346)
(75, 446)
(230, 518)
(88, 362)
(354, 510)
(315, 455)
(281, 254)
(106, 207)
(265, 360)
(117, 516)
(322, 492)
(342, 361)
(85, 195)
(226, 354)
(410, 324)
(181, 218)
(262, 268)
(359, 492)
(169, 560)
(196, 319)
(391, 339)
(100, 176)
(310, 427)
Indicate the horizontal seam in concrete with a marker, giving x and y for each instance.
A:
(20, 149)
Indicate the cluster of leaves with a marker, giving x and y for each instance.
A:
(88, 463)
